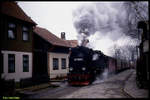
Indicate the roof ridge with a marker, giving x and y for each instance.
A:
(24, 12)
(49, 32)
(51, 38)
(11, 8)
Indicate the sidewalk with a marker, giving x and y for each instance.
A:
(32, 89)
(132, 89)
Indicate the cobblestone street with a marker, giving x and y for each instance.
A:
(121, 85)
(112, 87)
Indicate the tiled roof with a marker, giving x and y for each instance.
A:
(12, 9)
(51, 38)
(73, 43)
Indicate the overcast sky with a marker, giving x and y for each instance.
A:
(54, 16)
(66, 17)
(57, 17)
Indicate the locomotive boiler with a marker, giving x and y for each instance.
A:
(84, 65)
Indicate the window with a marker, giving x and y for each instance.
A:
(147, 35)
(25, 63)
(25, 33)
(1, 60)
(138, 52)
(55, 63)
(11, 63)
(11, 31)
(140, 33)
(63, 63)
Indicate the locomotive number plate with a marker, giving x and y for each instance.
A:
(78, 59)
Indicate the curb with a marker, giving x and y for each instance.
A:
(130, 88)
(126, 91)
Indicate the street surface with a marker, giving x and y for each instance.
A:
(110, 87)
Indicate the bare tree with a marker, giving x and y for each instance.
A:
(125, 53)
(136, 11)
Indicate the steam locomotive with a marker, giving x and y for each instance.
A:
(84, 65)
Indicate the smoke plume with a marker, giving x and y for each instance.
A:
(102, 77)
(102, 23)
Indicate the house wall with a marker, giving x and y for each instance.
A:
(18, 74)
(40, 55)
(60, 72)
(18, 44)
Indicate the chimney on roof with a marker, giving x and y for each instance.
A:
(63, 35)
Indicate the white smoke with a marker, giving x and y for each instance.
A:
(105, 74)
(102, 77)
(98, 17)
(81, 37)
(104, 24)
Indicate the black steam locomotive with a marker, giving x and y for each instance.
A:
(84, 65)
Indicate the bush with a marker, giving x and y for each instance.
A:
(17, 84)
(7, 87)
(26, 82)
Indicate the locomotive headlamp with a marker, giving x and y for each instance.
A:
(83, 68)
(71, 69)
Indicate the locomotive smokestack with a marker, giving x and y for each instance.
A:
(85, 42)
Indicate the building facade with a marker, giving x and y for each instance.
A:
(55, 51)
(16, 42)
(142, 64)
(58, 64)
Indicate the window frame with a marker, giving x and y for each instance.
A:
(63, 67)
(26, 31)
(25, 61)
(2, 62)
(56, 68)
(13, 29)
(9, 63)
